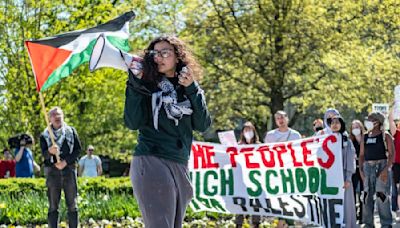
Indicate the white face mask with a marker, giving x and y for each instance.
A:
(368, 125)
(248, 135)
(356, 131)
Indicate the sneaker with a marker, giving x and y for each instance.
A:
(398, 216)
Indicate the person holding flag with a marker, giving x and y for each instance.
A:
(52, 59)
(61, 175)
(165, 119)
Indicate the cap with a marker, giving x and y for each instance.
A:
(378, 116)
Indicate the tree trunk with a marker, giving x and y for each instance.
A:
(276, 105)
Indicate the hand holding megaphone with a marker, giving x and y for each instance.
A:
(136, 66)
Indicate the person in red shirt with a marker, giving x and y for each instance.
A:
(395, 131)
(7, 165)
(2, 168)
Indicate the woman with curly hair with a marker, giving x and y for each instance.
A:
(165, 103)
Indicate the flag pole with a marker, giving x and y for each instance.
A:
(48, 125)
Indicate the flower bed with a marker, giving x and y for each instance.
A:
(102, 202)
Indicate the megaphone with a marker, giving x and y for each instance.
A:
(105, 54)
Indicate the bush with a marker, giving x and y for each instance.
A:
(23, 201)
(15, 186)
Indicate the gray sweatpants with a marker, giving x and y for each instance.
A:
(162, 189)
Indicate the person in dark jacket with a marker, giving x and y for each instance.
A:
(165, 103)
(61, 172)
(356, 136)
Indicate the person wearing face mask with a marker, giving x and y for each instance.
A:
(337, 125)
(248, 135)
(376, 152)
(394, 126)
(356, 135)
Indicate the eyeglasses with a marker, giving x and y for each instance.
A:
(90, 150)
(164, 53)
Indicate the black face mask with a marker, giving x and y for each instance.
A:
(318, 129)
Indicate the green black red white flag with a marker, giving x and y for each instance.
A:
(54, 58)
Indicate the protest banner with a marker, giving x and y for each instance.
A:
(300, 180)
(396, 108)
(227, 138)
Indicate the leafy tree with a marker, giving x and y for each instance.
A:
(259, 56)
(92, 102)
(303, 56)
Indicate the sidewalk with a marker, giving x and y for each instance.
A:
(378, 225)
(376, 220)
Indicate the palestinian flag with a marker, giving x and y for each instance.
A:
(56, 57)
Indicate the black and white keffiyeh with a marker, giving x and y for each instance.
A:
(63, 133)
(167, 97)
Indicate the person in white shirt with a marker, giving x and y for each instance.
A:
(90, 165)
(283, 133)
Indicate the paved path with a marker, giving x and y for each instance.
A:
(378, 225)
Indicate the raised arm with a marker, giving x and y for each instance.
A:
(19, 154)
(392, 124)
(136, 111)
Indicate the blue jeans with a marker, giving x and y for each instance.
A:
(394, 197)
(57, 180)
(375, 186)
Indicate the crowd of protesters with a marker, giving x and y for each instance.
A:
(371, 163)
(373, 180)
(22, 164)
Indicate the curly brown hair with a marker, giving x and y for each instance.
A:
(184, 55)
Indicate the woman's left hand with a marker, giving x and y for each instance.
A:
(186, 78)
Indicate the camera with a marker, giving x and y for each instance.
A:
(15, 141)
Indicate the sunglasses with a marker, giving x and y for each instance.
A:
(164, 53)
(90, 150)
